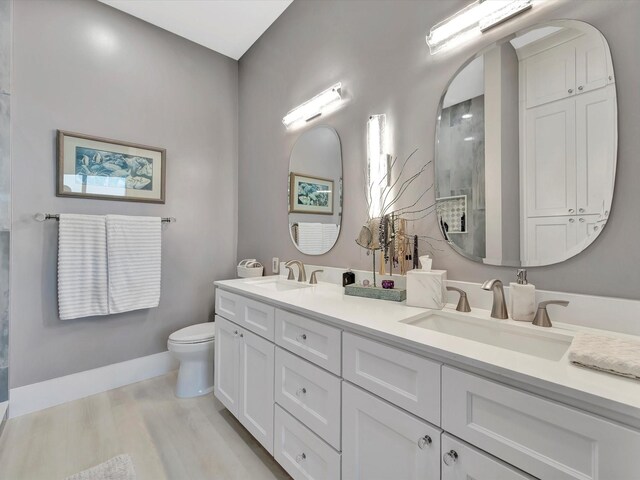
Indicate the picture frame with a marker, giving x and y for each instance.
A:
(92, 167)
(309, 194)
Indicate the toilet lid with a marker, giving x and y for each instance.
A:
(200, 332)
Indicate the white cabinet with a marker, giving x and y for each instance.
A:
(592, 64)
(461, 461)
(317, 342)
(256, 387)
(541, 437)
(251, 314)
(310, 394)
(407, 380)
(550, 159)
(300, 452)
(244, 378)
(382, 442)
(550, 238)
(226, 377)
(550, 75)
(596, 118)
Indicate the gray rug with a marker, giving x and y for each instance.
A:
(118, 468)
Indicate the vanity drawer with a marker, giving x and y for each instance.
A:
(310, 394)
(301, 452)
(406, 380)
(250, 314)
(539, 436)
(315, 341)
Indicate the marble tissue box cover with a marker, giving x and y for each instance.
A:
(427, 289)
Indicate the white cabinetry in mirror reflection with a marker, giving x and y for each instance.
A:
(569, 133)
(396, 414)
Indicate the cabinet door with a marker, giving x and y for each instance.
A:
(380, 441)
(550, 238)
(256, 387)
(550, 159)
(596, 139)
(461, 461)
(226, 382)
(589, 226)
(550, 75)
(591, 63)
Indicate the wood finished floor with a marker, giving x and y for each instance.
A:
(167, 438)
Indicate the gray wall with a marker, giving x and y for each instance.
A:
(5, 192)
(377, 49)
(85, 67)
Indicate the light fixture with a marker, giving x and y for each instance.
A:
(467, 115)
(378, 166)
(472, 21)
(315, 107)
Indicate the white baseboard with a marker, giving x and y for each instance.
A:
(38, 396)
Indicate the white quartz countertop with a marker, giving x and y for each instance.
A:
(383, 319)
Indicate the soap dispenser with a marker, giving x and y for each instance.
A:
(522, 297)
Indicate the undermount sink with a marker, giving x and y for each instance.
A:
(523, 339)
(276, 284)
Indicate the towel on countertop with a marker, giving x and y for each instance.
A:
(134, 256)
(619, 356)
(82, 266)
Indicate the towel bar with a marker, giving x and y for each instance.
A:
(41, 217)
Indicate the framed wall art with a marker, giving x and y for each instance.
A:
(310, 194)
(93, 167)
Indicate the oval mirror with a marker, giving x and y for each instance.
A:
(315, 191)
(526, 147)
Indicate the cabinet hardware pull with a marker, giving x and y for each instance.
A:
(571, 90)
(581, 220)
(424, 441)
(571, 210)
(302, 337)
(571, 220)
(301, 391)
(596, 228)
(580, 88)
(581, 210)
(450, 457)
(235, 332)
(241, 335)
(300, 457)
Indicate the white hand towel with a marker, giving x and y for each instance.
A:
(329, 236)
(619, 356)
(310, 238)
(134, 247)
(82, 266)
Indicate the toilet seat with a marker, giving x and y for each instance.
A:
(199, 333)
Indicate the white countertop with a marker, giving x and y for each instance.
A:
(383, 319)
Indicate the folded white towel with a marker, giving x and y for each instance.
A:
(310, 238)
(619, 356)
(82, 266)
(134, 255)
(329, 236)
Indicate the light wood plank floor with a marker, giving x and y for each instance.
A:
(167, 438)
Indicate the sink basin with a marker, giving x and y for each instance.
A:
(523, 339)
(276, 284)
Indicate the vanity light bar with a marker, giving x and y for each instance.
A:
(314, 107)
(472, 21)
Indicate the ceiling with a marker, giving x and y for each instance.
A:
(229, 27)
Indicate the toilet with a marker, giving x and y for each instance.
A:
(192, 346)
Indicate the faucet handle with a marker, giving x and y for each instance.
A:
(542, 317)
(313, 279)
(290, 276)
(463, 302)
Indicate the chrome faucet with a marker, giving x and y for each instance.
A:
(499, 308)
(302, 275)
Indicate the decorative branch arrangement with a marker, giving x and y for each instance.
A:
(388, 232)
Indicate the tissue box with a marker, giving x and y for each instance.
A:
(427, 289)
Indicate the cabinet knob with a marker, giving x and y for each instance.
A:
(571, 210)
(301, 457)
(301, 391)
(424, 442)
(571, 220)
(580, 88)
(596, 228)
(450, 457)
(302, 337)
(241, 335)
(581, 220)
(570, 90)
(235, 332)
(581, 210)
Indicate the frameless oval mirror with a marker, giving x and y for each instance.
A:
(315, 191)
(526, 144)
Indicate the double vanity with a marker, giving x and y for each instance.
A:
(346, 387)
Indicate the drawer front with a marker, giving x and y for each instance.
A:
(302, 453)
(310, 394)
(383, 442)
(407, 380)
(461, 461)
(541, 437)
(315, 341)
(255, 316)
